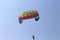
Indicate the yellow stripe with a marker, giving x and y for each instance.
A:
(21, 15)
(29, 12)
(24, 14)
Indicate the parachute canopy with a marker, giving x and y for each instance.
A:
(28, 15)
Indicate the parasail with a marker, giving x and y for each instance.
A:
(29, 14)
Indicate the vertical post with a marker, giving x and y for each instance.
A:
(33, 37)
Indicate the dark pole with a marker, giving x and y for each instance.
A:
(33, 37)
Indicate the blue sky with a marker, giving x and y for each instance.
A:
(47, 28)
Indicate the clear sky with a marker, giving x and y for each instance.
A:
(47, 28)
